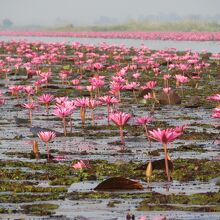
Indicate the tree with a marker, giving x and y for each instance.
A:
(7, 23)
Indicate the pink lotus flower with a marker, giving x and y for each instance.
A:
(109, 100)
(63, 112)
(92, 105)
(2, 102)
(29, 90)
(166, 76)
(45, 75)
(30, 106)
(166, 90)
(47, 136)
(15, 89)
(46, 99)
(115, 88)
(81, 165)
(181, 79)
(216, 115)
(150, 84)
(136, 75)
(144, 121)
(75, 82)
(91, 89)
(215, 97)
(60, 100)
(97, 66)
(83, 103)
(120, 119)
(132, 86)
(165, 136)
(98, 82)
(148, 96)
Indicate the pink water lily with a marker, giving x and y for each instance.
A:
(82, 103)
(216, 115)
(63, 112)
(47, 136)
(46, 99)
(15, 91)
(180, 79)
(30, 106)
(144, 121)
(29, 90)
(120, 119)
(165, 136)
(82, 164)
(215, 97)
(108, 100)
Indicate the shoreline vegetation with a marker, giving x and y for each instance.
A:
(177, 31)
(148, 26)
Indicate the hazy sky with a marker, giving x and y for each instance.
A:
(48, 12)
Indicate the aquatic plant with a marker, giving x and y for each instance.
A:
(47, 136)
(82, 164)
(62, 112)
(144, 121)
(165, 136)
(46, 99)
(30, 106)
(108, 100)
(120, 119)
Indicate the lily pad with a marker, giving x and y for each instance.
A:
(119, 183)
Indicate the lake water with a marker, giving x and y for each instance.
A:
(209, 46)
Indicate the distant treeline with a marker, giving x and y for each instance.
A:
(185, 26)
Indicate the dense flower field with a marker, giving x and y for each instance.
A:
(176, 36)
(103, 132)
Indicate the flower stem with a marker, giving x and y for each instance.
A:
(122, 138)
(146, 133)
(166, 162)
(47, 109)
(135, 97)
(168, 96)
(93, 116)
(82, 115)
(108, 109)
(30, 117)
(48, 151)
(64, 126)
